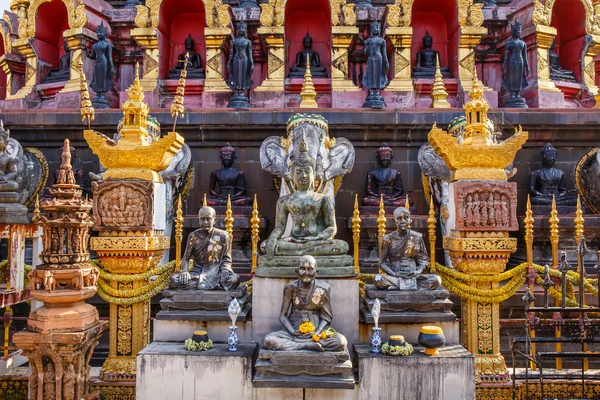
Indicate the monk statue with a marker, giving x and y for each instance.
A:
(102, 81)
(426, 59)
(8, 170)
(305, 299)
(227, 181)
(549, 181)
(384, 181)
(63, 73)
(515, 68)
(194, 69)
(297, 71)
(211, 250)
(557, 72)
(403, 258)
(312, 217)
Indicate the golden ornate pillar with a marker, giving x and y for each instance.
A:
(24, 47)
(147, 39)
(275, 40)
(130, 242)
(400, 38)
(544, 36)
(479, 243)
(77, 38)
(470, 36)
(341, 38)
(215, 60)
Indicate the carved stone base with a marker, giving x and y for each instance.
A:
(516, 102)
(374, 101)
(303, 369)
(12, 212)
(238, 101)
(285, 266)
(202, 305)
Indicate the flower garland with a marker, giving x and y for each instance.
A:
(329, 332)
(306, 327)
(191, 345)
(132, 300)
(515, 272)
(170, 266)
(160, 281)
(405, 350)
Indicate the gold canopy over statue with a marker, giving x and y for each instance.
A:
(135, 156)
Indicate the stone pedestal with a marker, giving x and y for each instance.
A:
(267, 295)
(202, 305)
(450, 375)
(168, 371)
(303, 369)
(285, 266)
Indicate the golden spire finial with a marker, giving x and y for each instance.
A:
(178, 234)
(431, 222)
(356, 233)
(578, 222)
(255, 228)
(554, 233)
(204, 203)
(529, 232)
(406, 201)
(87, 109)
(381, 222)
(476, 129)
(177, 106)
(36, 210)
(229, 218)
(438, 92)
(308, 92)
(135, 90)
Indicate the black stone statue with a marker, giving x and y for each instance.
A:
(194, 69)
(515, 68)
(227, 181)
(557, 73)
(549, 181)
(63, 73)
(377, 66)
(103, 68)
(297, 71)
(425, 65)
(384, 181)
(240, 67)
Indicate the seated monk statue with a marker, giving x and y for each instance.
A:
(8, 168)
(312, 217)
(227, 181)
(557, 73)
(384, 181)
(297, 71)
(404, 258)
(426, 60)
(63, 73)
(211, 250)
(305, 299)
(548, 182)
(194, 68)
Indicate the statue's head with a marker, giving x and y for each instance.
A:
(516, 29)
(427, 40)
(101, 31)
(384, 155)
(4, 137)
(548, 155)
(375, 29)
(307, 269)
(241, 29)
(189, 42)
(307, 41)
(206, 218)
(227, 155)
(402, 218)
(303, 170)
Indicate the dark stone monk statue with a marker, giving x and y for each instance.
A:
(194, 69)
(404, 258)
(515, 68)
(227, 181)
(426, 59)
(297, 71)
(63, 73)
(211, 250)
(557, 72)
(384, 181)
(549, 181)
(305, 299)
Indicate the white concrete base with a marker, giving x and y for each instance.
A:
(410, 331)
(179, 331)
(267, 294)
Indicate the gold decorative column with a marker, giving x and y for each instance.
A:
(470, 20)
(147, 39)
(215, 60)
(478, 242)
(76, 38)
(274, 38)
(544, 36)
(24, 47)
(400, 38)
(129, 206)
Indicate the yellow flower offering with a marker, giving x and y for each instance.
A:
(306, 327)
(316, 337)
(323, 335)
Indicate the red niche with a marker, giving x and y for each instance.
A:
(314, 18)
(51, 22)
(568, 17)
(178, 19)
(442, 25)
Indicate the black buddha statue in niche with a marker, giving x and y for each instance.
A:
(297, 71)
(63, 73)
(425, 65)
(194, 68)
(557, 73)
(549, 182)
